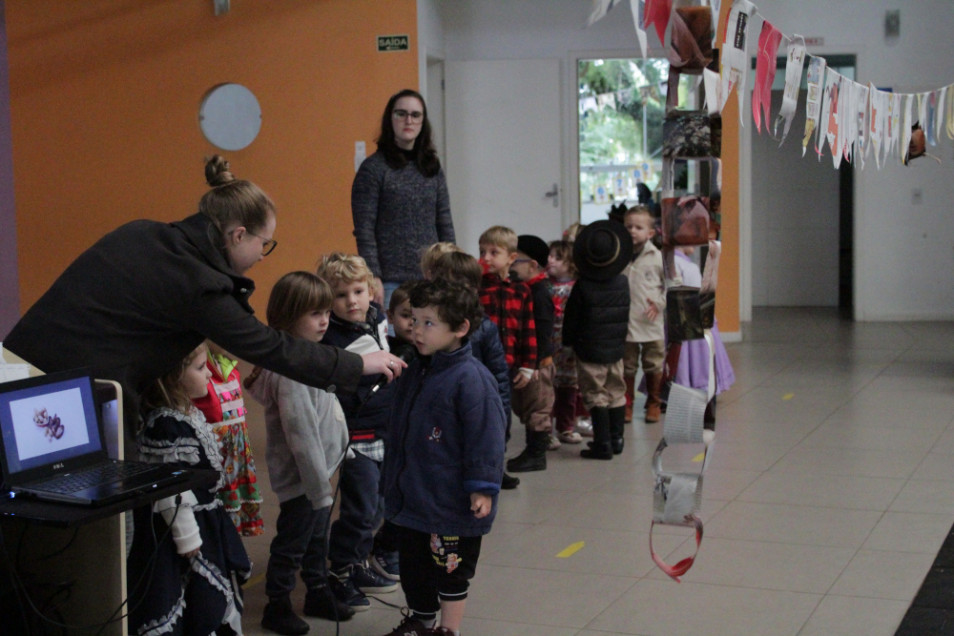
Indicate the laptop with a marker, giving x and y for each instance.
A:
(52, 446)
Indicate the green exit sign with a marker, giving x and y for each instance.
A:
(393, 43)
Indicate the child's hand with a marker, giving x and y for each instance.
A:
(481, 505)
(523, 377)
(652, 311)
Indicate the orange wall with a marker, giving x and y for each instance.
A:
(727, 298)
(104, 107)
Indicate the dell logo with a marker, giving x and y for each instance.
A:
(58, 466)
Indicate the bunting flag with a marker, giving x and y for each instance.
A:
(735, 60)
(950, 114)
(793, 81)
(600, 9)
(813, 99)
(765, 66)
(828, 121)
(634, 6)
(939, 114)
(894, 132)
(930, 118)
(906, 123)
(859, 127)
(876, 100)
(657, 13)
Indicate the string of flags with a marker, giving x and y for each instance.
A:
(853, 120)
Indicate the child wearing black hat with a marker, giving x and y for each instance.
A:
(595, 324)
(534, 402)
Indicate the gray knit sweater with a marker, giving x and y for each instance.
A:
(398, 213)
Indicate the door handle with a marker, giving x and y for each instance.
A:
(554, 194)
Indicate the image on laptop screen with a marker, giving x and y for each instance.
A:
(48, 421)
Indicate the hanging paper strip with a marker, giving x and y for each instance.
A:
(813, 99)
(950, 113)
(894, 132)
(713, 86)
(657, 13)
(876, 119)
(735, 60)
(906, 123)
(828, 121)
(793, 80)
(634, 6)
(929, 121)
(859, 128)
(765, 67)
(939, 122)
(600, 9)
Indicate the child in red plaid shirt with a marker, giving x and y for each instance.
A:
(509, 304)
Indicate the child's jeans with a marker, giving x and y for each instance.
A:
(360, 513)
(301, 542)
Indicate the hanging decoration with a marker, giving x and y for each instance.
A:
(793, 81)
(765, 66)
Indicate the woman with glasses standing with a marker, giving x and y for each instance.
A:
(132, 306)
(399, 200)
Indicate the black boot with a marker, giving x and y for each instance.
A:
(617, 422)
(601, 448)
(321, 602)
(509, 482)
(279, 617)
(534, 456)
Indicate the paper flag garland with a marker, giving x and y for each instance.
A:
(765, 67)
(813, 101)
(793, 81)
(735, 60)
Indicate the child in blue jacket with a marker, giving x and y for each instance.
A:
(444, 459)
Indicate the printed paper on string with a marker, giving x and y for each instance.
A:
(813, 100)
(635, 6)
(828, 121)
(860, 108)
(765, 67)
(876, 118)
(735, 60)
(793, 81)
(600, 9)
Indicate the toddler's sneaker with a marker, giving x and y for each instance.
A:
(387, 564)
(553, 443)
(570, 437)
(370, 582)
(346, 591)
(322, 602)
(410, 626)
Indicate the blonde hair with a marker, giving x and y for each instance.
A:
(433, 253)
(233, 202)
(500, 236)
(569, 234)
(339, 267)
(638, 209)
(167, 390)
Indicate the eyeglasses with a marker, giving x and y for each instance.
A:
(268, 245)
(413, 115)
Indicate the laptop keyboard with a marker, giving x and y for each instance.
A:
(107, 473)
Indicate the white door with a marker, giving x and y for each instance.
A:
(503, 141)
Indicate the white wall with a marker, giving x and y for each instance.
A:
(904, 253)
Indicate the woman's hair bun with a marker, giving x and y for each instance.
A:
(217, 171)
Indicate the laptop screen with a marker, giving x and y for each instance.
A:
(47, 423)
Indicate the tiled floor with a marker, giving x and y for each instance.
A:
(827, 497)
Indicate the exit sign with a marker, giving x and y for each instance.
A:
(393, 43)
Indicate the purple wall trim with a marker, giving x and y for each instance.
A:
(9, 275)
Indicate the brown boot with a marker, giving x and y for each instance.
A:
(653, 385)
(630, 396)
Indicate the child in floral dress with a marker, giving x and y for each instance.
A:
(224, 408)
